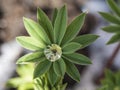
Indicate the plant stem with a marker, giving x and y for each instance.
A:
(109, 62)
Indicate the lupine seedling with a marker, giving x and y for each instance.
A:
(54, 45)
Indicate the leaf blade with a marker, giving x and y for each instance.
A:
(71, 47)
(77, 59)
(85, 40)
(114, 7)
(35, 30)
(55, 12)
(72, 71)
(31, 57)
(60, 25)
(45, 22)
(110, 18)
(112, 29)
(41, 68)
(59, 67)
(114, 39)
(30, 43)
(73, 28)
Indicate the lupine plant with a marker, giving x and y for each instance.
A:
(114, 19)
(111, 81)
(54, 44)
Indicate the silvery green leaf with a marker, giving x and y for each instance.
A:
(55, 12)
(114, 39)
(45, 23)
(85, 40)
(52, 77)
(114, 6)
(60, 25)
(59, 67)
(30, 43)
(73, 28)
(71, 47)
(112, 29)
(110, 18)
(41, 68)
(31, 57)
(77, 59)
(36, 31)
(72, 71)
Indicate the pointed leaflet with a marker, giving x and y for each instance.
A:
(71, 47)
(52, 77)
(42, 68)
(72, 71)
(74, 28)
(32, 57)
(59, 67)
(45, 23)
(114, 39)
(114, 6)
(112, 28)
(60, 25)
(55, 12)
(36, 31)
(77, 58)
(85, 40)
(30, 43)
(110, 18)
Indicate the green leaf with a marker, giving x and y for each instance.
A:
(42, 68)
(77, 58)
(72, 71)
(114, 6)
(55, 12)
(60, 25)
(45, 23)
(59, 67)
(85, 40)
(35, 30)
(52, 77)
(115, 38)
(63, 87)
(112, 28)
(30, 43)
(110, 18)
(32, 57)
(71, 47)
(74, 28)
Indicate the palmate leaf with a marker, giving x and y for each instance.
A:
(112, 29)
(41, 68)
(45, 23)
(32, 57)
(110, 18)
(114, 39)
(77, 58)
(73, 28)
(85, 40)
(60, 25)
(71, 47)
(72, 71)
(55, 12)
(59, 67)
(30, 43)
(52, 77)
(114, 6)
(35, 30)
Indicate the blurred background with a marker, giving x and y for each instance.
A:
(11, 25)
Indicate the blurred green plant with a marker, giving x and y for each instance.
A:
(111, 81)
(54, 45)
(114, 19)
(24, 81)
